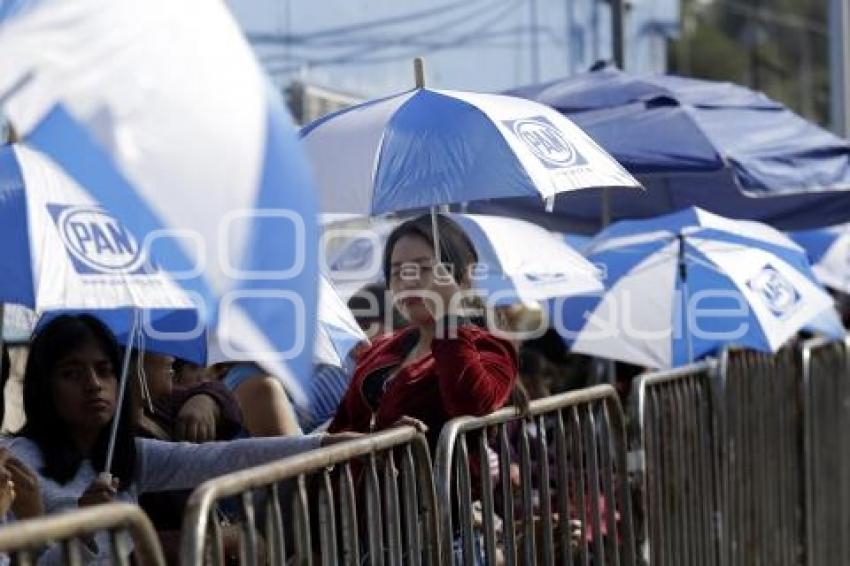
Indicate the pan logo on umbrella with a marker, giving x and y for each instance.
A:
(546, 142)
(778, 293)
(96, 242)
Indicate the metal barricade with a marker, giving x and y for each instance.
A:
(366, 501)
(678, 448)
(564, 461)
(761, 463)
(826, 394)
(25, 540)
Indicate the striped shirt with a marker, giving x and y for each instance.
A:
(324, 394)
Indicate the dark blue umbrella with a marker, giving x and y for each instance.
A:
(690, 142)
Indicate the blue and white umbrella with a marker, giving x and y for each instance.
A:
(829, 252)
(518, 262)
(430, 147)
(682, 286)
(63, 251)
(162, 112)
(66, 254)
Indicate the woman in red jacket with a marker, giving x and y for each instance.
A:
(442, 365)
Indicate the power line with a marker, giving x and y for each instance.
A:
(357, 57)
(278, 38)
(369, 44)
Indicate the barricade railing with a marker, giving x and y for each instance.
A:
(366, 501)
(678, 452)
(24, 541)
(550, 485)
(826, 447)
(761, 462)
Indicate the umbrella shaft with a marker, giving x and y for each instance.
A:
(125, 369)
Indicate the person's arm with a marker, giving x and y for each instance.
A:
(476, 371)
(209, 401)
(165, 466)
(266, 409)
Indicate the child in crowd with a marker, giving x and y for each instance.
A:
(70, 400)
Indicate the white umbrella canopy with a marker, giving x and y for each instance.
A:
(518, 262)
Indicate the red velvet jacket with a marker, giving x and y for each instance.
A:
(472, 374)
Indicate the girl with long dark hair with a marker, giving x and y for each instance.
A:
(70, 400)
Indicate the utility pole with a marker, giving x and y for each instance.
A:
(618, 32)
(534, 42)
(839, 66)
(618, 52)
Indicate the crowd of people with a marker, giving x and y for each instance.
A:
(181, 424)
(430, 359)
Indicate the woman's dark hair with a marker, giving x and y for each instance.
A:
(456, 249)
(59, 338)
(363, 303)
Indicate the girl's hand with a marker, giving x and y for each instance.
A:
(198, 419)
(28, 503)
(101, 490)
(445, 294)
(410, 421)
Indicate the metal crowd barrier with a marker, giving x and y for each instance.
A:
(678, 449)
(23, 541)
(826, 446)
(761, 465)
(347, 498)
(568, 455)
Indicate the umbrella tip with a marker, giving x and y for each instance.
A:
(419, 72)
(11, 136)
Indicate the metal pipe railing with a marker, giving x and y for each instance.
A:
(826, 450)
(678, 449)
(327, 502)
(567, 459)
(25, 540)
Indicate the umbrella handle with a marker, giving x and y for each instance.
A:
(125, 370)
(419, 72)
(435, 232)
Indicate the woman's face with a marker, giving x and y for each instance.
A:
(412, 266)
(85, 388)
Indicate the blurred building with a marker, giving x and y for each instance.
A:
(479, 45)
(309, 101)
(649, 25)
